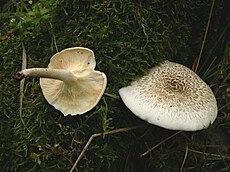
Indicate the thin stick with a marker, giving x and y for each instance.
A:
(54, 38)
(97, 135)
(22, 82)
(197, 61)
(211, 154)
(154, 147)
(21, 87)
(113, 96)
(185, 157)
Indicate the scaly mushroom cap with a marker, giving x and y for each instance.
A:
(80, 94)
(173, 97)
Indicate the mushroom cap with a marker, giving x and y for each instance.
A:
(83, 92)
(173, 97)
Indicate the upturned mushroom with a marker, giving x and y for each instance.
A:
(173, 97)
(70, 82)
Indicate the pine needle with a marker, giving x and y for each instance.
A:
(209, 154)
(160, 143)
(197, 60)
(185, 157)
(112, 96)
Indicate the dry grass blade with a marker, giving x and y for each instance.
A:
(97, 135)
(54, 41)
(21, 89)
(22, 82)
(197, 60)
(112, 96)
(160, 143)
(185, 157)
(209, 154)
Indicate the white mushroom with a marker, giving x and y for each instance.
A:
(70, 82)
(173, 97)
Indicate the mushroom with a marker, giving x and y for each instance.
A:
(70, 82)
(173, 97)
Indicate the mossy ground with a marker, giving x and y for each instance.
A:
(128, 38)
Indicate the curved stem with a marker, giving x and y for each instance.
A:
(59, 74)
(197, 61)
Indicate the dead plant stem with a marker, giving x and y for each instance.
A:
(97, 135)
(185, 157)
(204, 39)
(160, 143)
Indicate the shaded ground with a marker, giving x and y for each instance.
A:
(128, 37)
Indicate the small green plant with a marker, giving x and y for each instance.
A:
(27, 16)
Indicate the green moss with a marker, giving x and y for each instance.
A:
(128, 38)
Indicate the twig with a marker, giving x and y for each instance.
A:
(97, 135)
(105, 121)
(22, 82)
(113, 96)
(154, 147)
(21, 88)
(185, 157)
(197, 61)
(54, 38)
(211, 154)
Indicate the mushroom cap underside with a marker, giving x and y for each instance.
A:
(77, 97)
(80, 94)
(173, 97)
(73, 59)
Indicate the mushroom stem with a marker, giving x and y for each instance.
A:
(59, 74)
